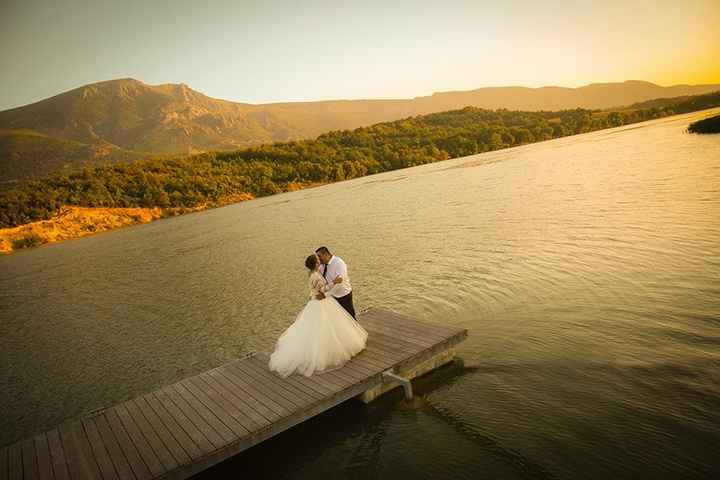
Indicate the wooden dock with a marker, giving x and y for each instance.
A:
(184, 428)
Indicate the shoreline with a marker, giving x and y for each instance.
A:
(73, 222)
(77, 222)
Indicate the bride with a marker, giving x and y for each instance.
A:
(323, 337)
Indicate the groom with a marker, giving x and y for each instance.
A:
(334, 267)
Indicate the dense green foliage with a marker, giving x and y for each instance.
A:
(707, 125)
(213, 178)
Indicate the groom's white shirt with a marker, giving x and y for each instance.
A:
(336, 268)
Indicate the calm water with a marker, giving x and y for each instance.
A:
(587, 270)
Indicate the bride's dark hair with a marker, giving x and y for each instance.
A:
(311, 262)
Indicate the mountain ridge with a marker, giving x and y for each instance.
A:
(124, 119)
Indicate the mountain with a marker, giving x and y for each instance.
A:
(594, 96)
(126, 119)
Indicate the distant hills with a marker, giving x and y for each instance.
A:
(127, 119)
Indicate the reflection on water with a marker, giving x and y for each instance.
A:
(587, 270)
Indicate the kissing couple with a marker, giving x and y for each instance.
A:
(325, 333)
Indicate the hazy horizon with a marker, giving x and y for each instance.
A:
(279, 101)
(249, 53)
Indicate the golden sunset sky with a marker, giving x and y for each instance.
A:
(269, 51)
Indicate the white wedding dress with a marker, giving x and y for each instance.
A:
(323, 337)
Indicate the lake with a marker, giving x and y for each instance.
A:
(586, 269)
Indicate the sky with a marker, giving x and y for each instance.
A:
(271, 51)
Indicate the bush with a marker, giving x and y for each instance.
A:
(29, 241)
(708, 125)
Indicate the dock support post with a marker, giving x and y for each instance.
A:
(406, 384)
(407, 372)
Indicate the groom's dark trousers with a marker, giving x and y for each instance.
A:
(347, 303)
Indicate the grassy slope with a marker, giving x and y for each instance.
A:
(27, 154)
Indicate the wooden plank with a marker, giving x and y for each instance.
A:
(312, 383)
(330, 380)
(248, 386)
(161, 451)
(280, 388)
(419, 338)
(320, 379)
(139, 441)
(342, 380)
(226, 402)
(42, 451)
(378, 351)
(194, 418)
(167, 438)
(402, 323)
(177, 439)
(403, 331)
(370, 361)
(193, 442)
(287, 407)
(379, 362)
(388, 359)
(131, 452)
(423, 329)
(305, 394)
(15, 466)
(311, 388)
(332, 375)
(392, 358)
(30, 468)
(367, 363)
(224, 378)
(349, 374)
(392, 348)
(319, 383)
(428, 353)
(395, 344)
(272, 384)
(57, 455)
(215, 408)
(217, 424)
(81, 462)
(107, 469)
(360, 369)
(233, 396)
(117, 457)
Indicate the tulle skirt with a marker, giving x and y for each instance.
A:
(323, 337)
